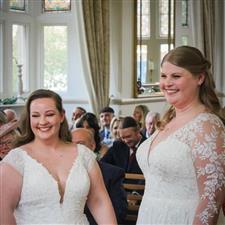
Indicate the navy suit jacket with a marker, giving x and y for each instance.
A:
(113, 178)
(118, 155)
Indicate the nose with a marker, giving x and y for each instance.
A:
(168, 81)
(42, 120)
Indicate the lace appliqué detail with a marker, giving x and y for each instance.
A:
(207, 141)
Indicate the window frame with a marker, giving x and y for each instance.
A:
(25, 67)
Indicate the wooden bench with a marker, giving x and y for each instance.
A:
(134, 186)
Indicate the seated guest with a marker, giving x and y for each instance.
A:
(8, 132)
(106, 115)
(3, 117)
(77, 113)
(114, 128)
(151, 120)
(90, 121)
(10, 114)
(139, 114)
(112, 176)
(123, 152)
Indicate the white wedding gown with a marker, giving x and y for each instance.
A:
(171, 192)
(40, 199)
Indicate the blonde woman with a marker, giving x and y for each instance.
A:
(139, 114)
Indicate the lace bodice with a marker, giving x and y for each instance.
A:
(186, 172)
(40, 198)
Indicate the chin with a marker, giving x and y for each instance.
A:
(171, 100)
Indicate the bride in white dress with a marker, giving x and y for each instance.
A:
(46, 179)
(184, 160)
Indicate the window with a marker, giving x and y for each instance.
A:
(184, 13)
(155, 35)
(142, 62)
(19, 55)
(55, 58)
(143, 18)
(29, 39)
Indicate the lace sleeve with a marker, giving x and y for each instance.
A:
(209, 161)
(15, 159)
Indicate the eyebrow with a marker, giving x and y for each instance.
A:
(50, 110)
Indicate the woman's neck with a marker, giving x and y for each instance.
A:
(48, 144)
(190, 110)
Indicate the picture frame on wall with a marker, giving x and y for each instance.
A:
(56, 5)
(17, 5)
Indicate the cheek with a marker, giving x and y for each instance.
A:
(190, 89)
(161, 83)
(33, 122)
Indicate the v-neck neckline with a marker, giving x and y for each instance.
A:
(172, 133)
(60, 190)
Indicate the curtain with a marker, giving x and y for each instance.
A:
(96, 25)
(208, 35)
(208, 25)
(203, 26)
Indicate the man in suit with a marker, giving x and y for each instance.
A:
(123, 152)
(113, 178)
(106, 115)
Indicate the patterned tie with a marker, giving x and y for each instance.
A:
(132, 155)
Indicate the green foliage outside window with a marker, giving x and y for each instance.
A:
(55, 57)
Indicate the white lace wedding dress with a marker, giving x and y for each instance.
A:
(40, 199)
(172, 188)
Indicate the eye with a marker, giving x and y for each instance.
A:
(50, 114)
(163, 75)
(34, 115)
(176, 76)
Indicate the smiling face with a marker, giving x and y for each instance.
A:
(137, 114)
(115, 129)
(105, 119)
(149, 124)
(130, 136)
(179, 86)
(45, 119)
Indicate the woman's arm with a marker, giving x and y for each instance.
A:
(10, 190)
(98, 200)
(209, 162)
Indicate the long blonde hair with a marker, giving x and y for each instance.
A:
(192, 59)
(144, 110)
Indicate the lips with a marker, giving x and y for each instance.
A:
(44, 129)
(171, 91)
